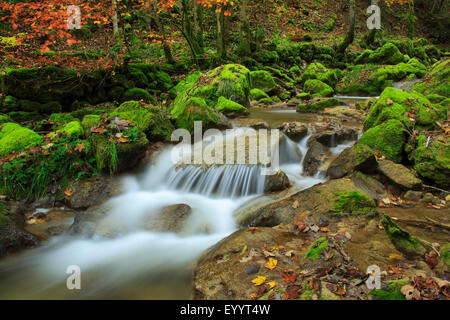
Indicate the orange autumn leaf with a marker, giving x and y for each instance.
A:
(68, 192)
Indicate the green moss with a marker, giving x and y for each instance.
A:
(388, 54)
(258, 94)
(23, 116)
(315, 249)
(320, 72)
(116, 93)
(410, 246)
(263, 80)
(317, 105)
(266, 56)
(445, 253)
(229, 107)
(4, 219)
(318, 88)
(363, 80)
(4, 118)
(387, 138)
(90, 121)
(73, 129)
(138, 94)
(61, 118)
(433, 162)
(437, 81)
(401, 71)
(151, 120)
(194, 109)
(11, 104)
(13, 137)
(394, 104)
(393, 292)
(353, 203)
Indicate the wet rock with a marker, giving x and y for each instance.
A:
(171, 218)
(294, 130)
(320, 200)
(399, 174)
(358, 157)
(370, 185)
(85, 222)
(276, 182)
(404, 242)
(316, 155)
(411, 195)
(92, 192)
(49, 222)
(13, 239)
(332, 138)
(259, 125)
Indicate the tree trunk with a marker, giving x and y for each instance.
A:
(162, 32)
(221, 50)
(411, 19)
(245, 29)
(372, 33)
(350, 36)
(198, 26)
(114, 18)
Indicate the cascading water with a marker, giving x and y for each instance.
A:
(131, 262)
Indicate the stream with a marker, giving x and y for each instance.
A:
(131, 262)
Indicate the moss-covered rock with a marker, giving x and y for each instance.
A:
(73, 129)
(24, 116)
(258, 94)
(387, 54)
(318, 88)
(402, 70)
(387, 138)
(151, 120)
(10, 104)
(266, 56)
(116, 93)
(362, 80)
(408, 245)
(320, 72)
(437, 81)
(359, 157)
(399, 175)
(138, 94)
(29, 106)
(195, 109)
(230, 108)
(61, 118)
(51, 107)
(353, 203)
(264, 81)
(397, 104)
(13, 137)
(90, 121)
(393, 291)
(4, 118)
(432, 162)
(315, 249)
(445, 253)
(317, 104)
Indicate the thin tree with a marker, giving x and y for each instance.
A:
(350, 35)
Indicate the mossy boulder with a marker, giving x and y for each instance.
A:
(258, 94)
(437, 81)
(397, 104)
(151, 120)
(402, 70)
(116, 93)
(230, 108)
(264, 81)
(4, 118)
(432, 162)
(29, 106)
(73, 129)
(266, 56)
(90, 121)
(318, 88)
(393, 290)
(61, 118)
(387, 54)
(195, 109)
(363, 80)
(408, 245)
(51, 107)
(445, 253)
(10, 104)
(353, 203)
(24, 116)
(138, 94)
(317, 105)
(14, 137)
(399, 175)
(387, 138)
(320, 72)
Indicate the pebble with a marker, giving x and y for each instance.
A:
(348, 235)
(315, 228)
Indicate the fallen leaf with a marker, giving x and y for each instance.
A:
(290, 277)
(301, 225)
(259, 280)
(68, 192)
(272, 263)
(296, 204)
(271, 284)
(292, 292)
(395, 256)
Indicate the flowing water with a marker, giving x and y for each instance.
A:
(132, 262)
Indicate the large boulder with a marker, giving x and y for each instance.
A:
(411, 108)
(388, 139)
(387, 54)
(318, 88)
(314, 158)
(294, 130)
(168, 219)
(399, 175)
(317, 104)
(13, 137)
(358, 157)
(152, 120)
(198, 95)
(320, 72)
(437, 81)
(276, 182)
(230, 108)
(264, 81)
(432, 160)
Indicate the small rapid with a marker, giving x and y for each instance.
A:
(131, 262)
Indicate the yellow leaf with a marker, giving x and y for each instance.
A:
(272, 263)
(123, 139)
(68, 192)
(271, 284)
(259, 280)
(395, 256)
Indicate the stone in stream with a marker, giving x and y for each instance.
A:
(13, 238)
(168, 219)
(399, 174)
(276, 182)
(294, 130)
(314, 158)
(358, 157)
(331, 138)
